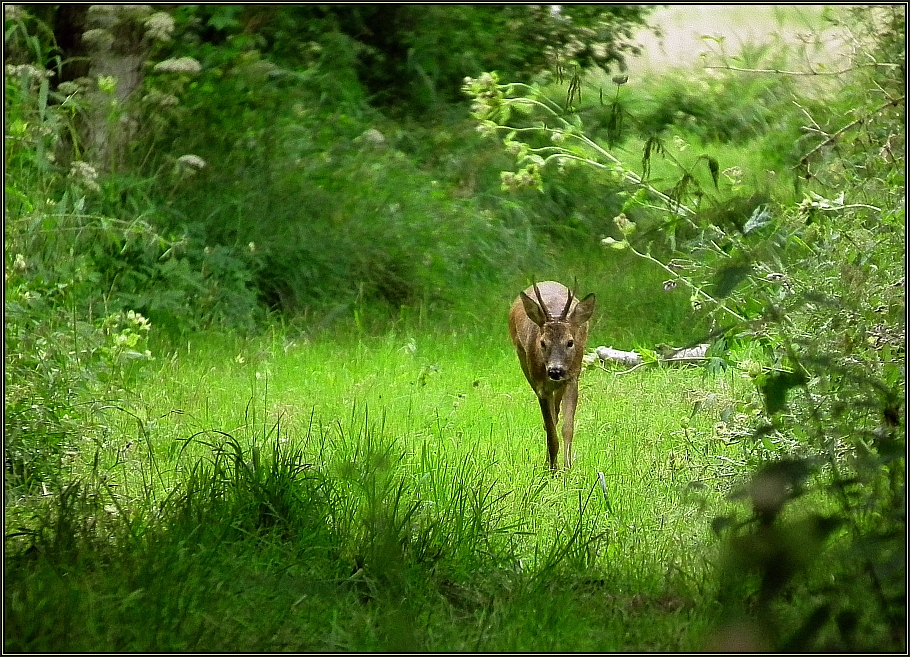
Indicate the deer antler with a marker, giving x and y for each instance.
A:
(565, 311)
(543, 306)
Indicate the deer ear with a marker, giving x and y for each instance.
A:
(533, 310)
(583, 311)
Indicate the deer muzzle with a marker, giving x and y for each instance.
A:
(556, 372)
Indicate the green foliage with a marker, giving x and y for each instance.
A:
(819, 285)
(412, 57)
(256, 152)
(56, 363)
(96, 232)
(333, 215)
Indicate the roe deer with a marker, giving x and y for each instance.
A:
(550, 349)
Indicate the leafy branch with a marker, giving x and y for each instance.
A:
(494, 105)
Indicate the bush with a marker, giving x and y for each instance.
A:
(327, 212)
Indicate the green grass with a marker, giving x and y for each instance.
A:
(348, 491)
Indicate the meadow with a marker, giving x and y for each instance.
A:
(389, 491)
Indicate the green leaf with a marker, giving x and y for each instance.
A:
(760, 218)
(729, 276)
(42, 99)
(774, 389)
(613, 244)
(714, 168)
(225, 18)
(654, 144)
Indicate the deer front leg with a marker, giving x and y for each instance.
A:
(548, 409)
(569, 402)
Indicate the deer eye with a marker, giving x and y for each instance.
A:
(543, 345)
(570, 344)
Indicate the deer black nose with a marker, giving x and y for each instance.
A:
(556, 373)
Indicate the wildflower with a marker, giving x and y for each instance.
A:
(99, 13)
(84, 173)
(20, 262)
(179, 65)
(192, 161)
(624, 224)
(68, 88)
(372, 137)
(733, 174)
(187, 165)
(252, 247)
(139, 320)
(28, 72)
(98, 39)
(159, 26)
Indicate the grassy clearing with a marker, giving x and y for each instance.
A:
(358, 492)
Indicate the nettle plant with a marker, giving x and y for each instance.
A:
(544, 135)
(812, 291)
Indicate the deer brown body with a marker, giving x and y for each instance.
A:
(549, 328)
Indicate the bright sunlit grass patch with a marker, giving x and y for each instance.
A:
(415, 448)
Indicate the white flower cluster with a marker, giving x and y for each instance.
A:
(141, 322)
(98, 39)
(179, 65)
(191, 161)
(159, 26)
(107, 16)
(371, 137)
(84, 173)
(28, 71)
(12, 12)
(188, 165)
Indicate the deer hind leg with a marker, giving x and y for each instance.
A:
(569, 402)
(548, 408)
